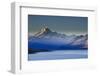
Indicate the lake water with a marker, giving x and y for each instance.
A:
(62, 54)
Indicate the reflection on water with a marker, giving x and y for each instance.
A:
(62, 54)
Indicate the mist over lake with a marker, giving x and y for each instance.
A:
(62, 54)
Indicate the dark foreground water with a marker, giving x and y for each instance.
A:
(62, 54)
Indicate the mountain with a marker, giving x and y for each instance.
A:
(48, 40)
(46, 33)
(81, 40)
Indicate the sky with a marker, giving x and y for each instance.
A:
(61, 24)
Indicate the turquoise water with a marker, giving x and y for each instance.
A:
(62, 54)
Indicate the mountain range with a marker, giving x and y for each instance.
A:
(48, 40)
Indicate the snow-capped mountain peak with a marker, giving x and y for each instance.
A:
(44, 30)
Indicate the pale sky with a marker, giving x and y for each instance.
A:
(63, 24)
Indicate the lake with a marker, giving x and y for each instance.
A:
(62, 54)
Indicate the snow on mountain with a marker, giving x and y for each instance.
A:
(46, 33)
(80, 40)
(50, 40)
